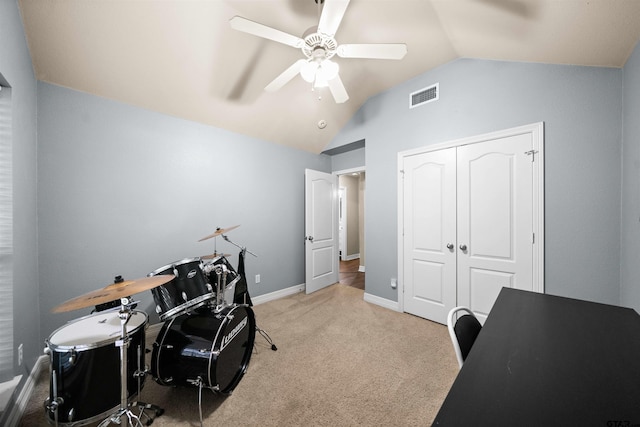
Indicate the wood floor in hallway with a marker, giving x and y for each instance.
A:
(349, 274)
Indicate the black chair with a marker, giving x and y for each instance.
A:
(463, 331)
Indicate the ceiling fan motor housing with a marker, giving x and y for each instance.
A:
(319, 46)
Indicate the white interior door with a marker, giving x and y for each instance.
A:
(321, 230)
(495, 220)
(430, 234)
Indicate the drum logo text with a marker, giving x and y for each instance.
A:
(235, 331)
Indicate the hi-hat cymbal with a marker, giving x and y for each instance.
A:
(218, 232)
(215, 255)
(113, 292)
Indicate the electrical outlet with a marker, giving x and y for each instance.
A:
(20, 355)
(257, 278)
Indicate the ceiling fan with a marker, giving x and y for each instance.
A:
(318, 46)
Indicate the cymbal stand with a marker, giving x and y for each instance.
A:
(243, 249)
(262, 332)
(123, 416)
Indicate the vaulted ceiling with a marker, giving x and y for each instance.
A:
(182, 58)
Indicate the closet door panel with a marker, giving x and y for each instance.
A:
(429, 234)
(495, 218)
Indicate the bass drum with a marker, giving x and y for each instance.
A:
(205, 348)
(85, 366)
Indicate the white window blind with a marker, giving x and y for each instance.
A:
(6, 237)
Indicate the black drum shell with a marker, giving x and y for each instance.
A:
(213, 347)
(88, 377)
(187, 291)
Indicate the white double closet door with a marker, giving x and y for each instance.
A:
(471, 222)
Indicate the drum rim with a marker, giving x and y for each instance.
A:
(174, 264)
(98, 344)
(187, 261)
(218, 258)
(157, 347)
(215, 350)
(158, 270)
(185, 307)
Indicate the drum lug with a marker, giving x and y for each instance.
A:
(73, 357)
(215, 353)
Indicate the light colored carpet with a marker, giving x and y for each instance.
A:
(340, 362)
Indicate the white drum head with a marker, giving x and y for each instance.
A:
(95, 330)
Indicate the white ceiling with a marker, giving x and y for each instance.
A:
(181, 57)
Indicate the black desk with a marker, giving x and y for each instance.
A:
(543, 360)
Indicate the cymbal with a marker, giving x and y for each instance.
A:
(218, 232)
(216, 255)
(113, 292)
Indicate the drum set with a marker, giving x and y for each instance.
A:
(206, 341)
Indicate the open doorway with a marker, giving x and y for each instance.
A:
(351, 185)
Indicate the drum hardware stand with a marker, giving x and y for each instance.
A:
(52, 405)
(262, 332)
(200, 384)
(221, 271)
(139, 373)
(124, 415)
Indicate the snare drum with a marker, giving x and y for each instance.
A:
(205, 348)
(187, 291)
(85, 366)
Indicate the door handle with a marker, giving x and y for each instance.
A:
(449, 246)
(463, 247)
(309, 238)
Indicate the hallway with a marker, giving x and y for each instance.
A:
(349, 274)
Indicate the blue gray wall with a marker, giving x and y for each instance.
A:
(630, 236)
(124, 191)
(15, 67)
(118, 190)
(582, 111)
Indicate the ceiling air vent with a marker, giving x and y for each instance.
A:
(424, 96)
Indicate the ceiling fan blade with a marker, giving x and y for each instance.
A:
(245, 25)
(337, 90)
(373, 51)
(332, 13)
(286, 75)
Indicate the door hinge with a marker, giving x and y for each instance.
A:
(532, 153)
(533, 237)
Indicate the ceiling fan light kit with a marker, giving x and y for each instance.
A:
(319, 46)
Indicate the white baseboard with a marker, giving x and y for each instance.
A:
(350, 257)
(261, 299)
(382, 302)
(17, 410)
